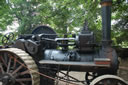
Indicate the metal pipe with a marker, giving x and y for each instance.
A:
(106, 22)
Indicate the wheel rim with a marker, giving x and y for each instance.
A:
(15, 69)
(108, 80)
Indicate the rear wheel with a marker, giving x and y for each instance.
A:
(17, 68)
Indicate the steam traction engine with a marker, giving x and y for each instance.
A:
(37, 58)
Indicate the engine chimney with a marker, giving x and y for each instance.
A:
(106, 22)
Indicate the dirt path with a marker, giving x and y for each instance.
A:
(77, 75)
(123, 71)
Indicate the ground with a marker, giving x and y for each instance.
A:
(123, 71)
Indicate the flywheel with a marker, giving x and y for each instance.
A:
(17, 68)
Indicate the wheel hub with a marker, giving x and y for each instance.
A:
(7, 79)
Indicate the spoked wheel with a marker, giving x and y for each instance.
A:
(17, 68)
(7, 38)
(89, 76)
(108, 80)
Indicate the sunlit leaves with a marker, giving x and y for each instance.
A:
(65, 16)
(120, 28)
(5, 17)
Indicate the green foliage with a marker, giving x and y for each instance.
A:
(120, 28)
(25, 12)
(5, 18)
(62, 15)
(1, 38)
(65, 16)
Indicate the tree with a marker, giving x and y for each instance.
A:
(120, 28)
(5, 17)
(64, 16)
(25, 12)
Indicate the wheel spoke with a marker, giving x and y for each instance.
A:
(23, 79)
(9, 63)
(1, 68)
(106, 82)
(17, 69)
(21, 83)
(6, 58)
(3, 61)
(14, 65)
(116, 82)
(24, 72)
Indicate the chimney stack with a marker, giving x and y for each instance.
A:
(106, 22)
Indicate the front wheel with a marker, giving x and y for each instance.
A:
(108, 80)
